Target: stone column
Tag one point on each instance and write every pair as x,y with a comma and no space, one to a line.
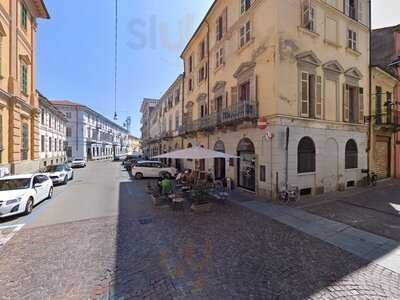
12,81
34,134
15,131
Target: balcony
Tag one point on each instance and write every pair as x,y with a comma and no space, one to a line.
167,135
229,116
388,121
238,113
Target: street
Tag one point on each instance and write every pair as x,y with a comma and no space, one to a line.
101,238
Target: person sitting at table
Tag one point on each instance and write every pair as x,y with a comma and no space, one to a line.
166,186
179,178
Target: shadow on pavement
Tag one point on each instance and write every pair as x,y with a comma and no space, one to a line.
230,252
374,209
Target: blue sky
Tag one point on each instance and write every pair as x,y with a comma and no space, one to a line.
76,49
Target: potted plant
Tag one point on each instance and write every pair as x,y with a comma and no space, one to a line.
201,199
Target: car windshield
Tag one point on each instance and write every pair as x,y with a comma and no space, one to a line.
58,168
14,184
78,159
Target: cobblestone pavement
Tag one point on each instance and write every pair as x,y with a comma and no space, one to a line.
155,253
375,209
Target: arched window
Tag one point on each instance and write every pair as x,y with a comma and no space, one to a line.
306,156
351,155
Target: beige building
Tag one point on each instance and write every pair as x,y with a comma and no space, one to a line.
170,112
134,145
19,107
52,131
383,123
147,108
303,67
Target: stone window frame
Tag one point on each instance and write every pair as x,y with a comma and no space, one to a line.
333,71
308,12
309,63
202,102
219,90
245,33
245,72
353,76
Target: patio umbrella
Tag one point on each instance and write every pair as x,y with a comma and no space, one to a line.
195,153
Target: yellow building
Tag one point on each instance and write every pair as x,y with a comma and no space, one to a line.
19,114
383,123
302,65
134,145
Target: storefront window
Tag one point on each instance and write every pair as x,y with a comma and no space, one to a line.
246,164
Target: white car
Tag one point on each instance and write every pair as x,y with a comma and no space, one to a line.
152,169
78,163
60,174
19,194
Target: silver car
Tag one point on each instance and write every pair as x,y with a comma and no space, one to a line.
78,163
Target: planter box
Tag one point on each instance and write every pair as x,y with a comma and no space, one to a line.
201,208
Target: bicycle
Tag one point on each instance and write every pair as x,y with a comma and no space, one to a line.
371,178
289,194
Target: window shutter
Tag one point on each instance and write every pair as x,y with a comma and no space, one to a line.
346,112
360,15
361,105
234,96
305,95
346,7
318,100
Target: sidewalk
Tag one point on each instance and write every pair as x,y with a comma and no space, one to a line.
382,251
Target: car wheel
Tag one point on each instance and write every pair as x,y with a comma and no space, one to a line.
50,193
138,176
29,206
65,180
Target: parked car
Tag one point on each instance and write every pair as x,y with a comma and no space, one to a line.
129,158
119,157
60,174
19,194
152,169
78,163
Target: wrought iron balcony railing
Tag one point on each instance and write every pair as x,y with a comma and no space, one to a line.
389,120
232,115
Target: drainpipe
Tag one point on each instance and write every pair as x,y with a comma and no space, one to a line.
183,100
287,158
208,78
370,87
77,130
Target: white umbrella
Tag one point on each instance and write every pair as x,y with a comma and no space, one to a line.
195,153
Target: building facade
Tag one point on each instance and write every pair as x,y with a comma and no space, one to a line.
19,105
384,123
90,135
134,145
52,132
147,108
386,58
304,70
170,114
